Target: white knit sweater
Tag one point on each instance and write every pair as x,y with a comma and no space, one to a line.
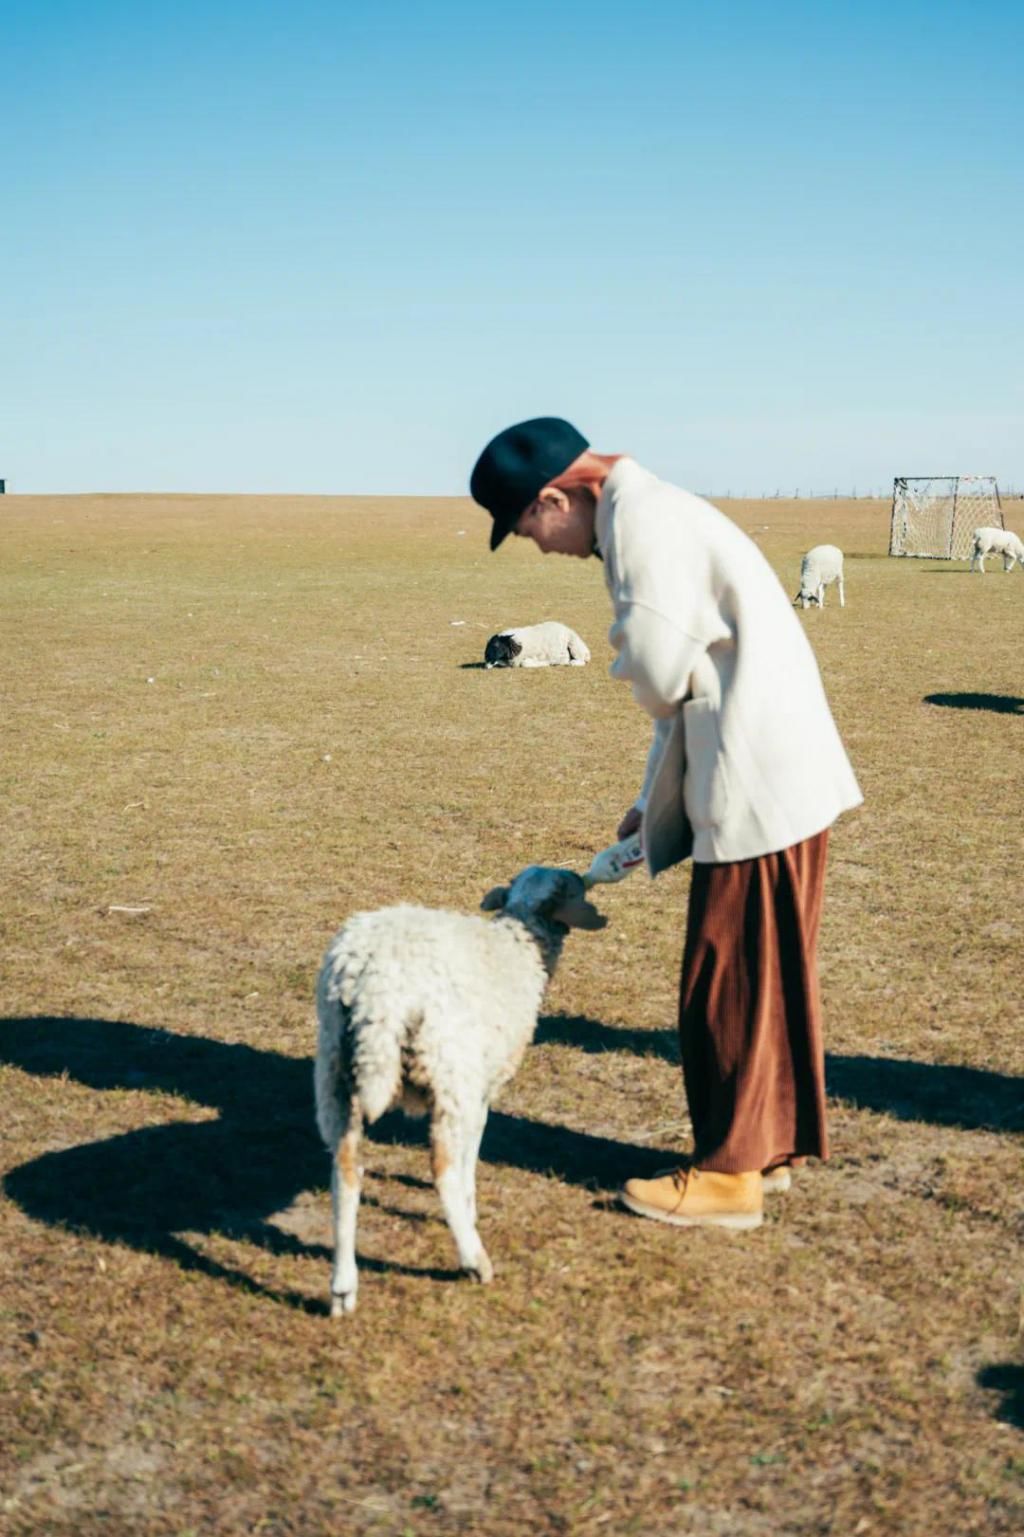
746,757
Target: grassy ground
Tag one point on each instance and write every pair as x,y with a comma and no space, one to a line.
230,722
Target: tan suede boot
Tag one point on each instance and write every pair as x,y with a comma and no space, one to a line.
697,1198
778,1180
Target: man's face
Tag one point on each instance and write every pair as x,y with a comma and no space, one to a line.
559,522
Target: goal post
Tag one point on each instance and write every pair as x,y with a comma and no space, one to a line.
935,515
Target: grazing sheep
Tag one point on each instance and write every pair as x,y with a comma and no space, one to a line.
537,645
996,541
819,568
433,1010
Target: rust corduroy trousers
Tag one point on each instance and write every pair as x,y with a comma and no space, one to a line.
750,1013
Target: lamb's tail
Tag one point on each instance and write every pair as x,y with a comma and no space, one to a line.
331,1080
359,1052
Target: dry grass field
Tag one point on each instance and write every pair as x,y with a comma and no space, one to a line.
228,723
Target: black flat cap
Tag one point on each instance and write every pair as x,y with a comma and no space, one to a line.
518,463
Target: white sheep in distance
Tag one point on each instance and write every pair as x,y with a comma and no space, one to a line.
996,541
819,568
537,645
433,1010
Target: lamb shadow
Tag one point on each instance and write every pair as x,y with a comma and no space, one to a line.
1002,704
230,1174
1006,1378
473,667
513,1141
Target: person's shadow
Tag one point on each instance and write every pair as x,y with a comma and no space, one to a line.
972,1098
230,1174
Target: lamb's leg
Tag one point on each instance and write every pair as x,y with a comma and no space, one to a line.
346,1180
470,1156
842,597
448,1144
821,594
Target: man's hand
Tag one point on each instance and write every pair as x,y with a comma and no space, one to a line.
631,823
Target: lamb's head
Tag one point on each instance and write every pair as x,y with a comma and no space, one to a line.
807,597
548,902
501,650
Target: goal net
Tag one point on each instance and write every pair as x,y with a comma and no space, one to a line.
935,515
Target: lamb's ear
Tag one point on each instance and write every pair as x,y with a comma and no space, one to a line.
495,899
578,913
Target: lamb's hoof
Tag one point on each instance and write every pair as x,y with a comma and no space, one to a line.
342,1303
482,1271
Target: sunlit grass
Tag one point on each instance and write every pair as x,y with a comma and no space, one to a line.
229,723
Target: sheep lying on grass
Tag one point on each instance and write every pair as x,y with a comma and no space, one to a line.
433,1010
819,568
996,541
537,645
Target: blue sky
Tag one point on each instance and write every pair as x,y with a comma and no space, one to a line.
334,247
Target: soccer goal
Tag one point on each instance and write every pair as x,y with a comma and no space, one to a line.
935,515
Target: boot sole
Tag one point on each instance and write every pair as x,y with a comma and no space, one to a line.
739,1221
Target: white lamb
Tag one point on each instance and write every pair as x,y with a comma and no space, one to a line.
996,541
537,645
433,1010
819,568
